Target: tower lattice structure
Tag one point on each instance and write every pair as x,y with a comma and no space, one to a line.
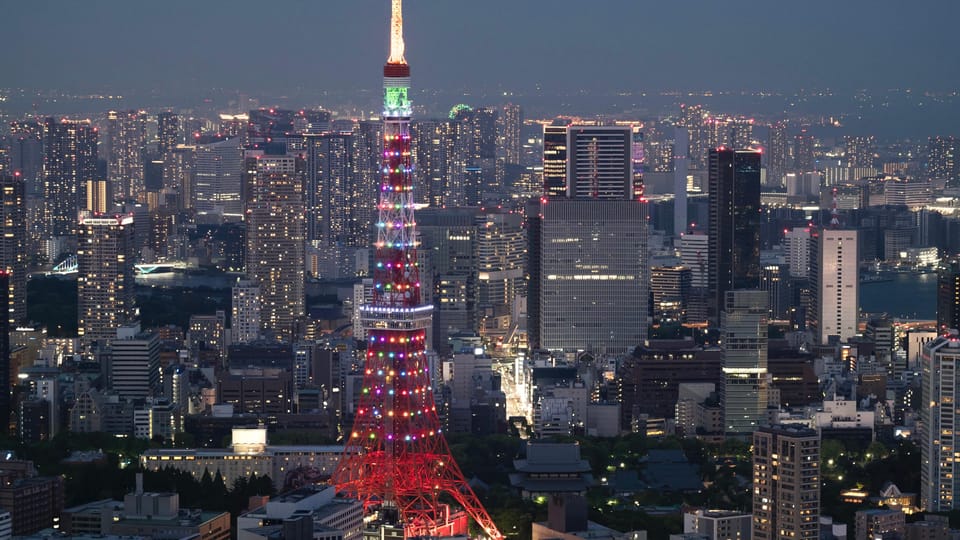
396,455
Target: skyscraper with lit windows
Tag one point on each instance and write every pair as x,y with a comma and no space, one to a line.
69,159
126,141
105,277
13,244
276,235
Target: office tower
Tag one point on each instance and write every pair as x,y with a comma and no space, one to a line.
555,159
126,140
796,247
948,295
835,284
593,275
105,277
777,154
694,254
245,312
332,195
5,328
449,236
670,290
942,160
786,483
599,162
405,463
734,233
69,159
217,178
804,158
509,124
681,165
773,280
13,247
134,368
276,234
743,327
940,389
168,132
501,260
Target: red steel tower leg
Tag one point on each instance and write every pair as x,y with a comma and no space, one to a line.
396,454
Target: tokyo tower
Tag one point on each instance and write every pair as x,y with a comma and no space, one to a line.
396,457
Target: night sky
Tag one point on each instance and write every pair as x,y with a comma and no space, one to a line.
455,45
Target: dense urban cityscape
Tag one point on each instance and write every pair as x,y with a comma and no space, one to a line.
415,313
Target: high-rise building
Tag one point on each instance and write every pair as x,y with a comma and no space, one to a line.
599,162
948,295
501,261
5,328
773,280
333,199
13,246
168,132
940,390
786,483
105,277
429,148
555,159
835,284
26,154
681,166
217,178
134,369
276,234
99,198
743,394
859,150
510,122
692,117
796,247
670,291
943,161
694,254
593,275
178,170
245,312
69,159
734,234
804,151
777,154
404,465
126,141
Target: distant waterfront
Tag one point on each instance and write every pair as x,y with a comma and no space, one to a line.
906,296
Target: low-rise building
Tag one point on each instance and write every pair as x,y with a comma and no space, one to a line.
249,454
316,508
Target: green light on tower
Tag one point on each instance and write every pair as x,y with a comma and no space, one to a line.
395,99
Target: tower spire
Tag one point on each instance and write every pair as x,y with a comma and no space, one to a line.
396,34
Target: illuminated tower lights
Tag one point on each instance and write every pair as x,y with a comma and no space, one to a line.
404,461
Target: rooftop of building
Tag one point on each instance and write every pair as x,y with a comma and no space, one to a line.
216,452
552,457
